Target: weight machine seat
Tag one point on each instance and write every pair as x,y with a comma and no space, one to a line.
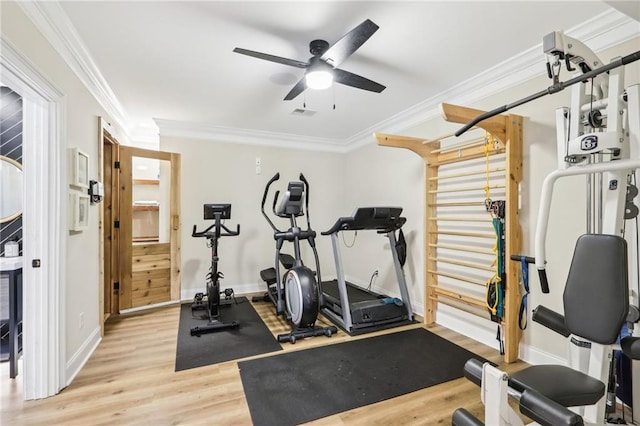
564,385
596,302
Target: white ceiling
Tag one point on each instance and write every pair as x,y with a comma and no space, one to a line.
174,60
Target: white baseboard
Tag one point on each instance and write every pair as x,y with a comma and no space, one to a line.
535,356
484,331
146,307
80,358
481,330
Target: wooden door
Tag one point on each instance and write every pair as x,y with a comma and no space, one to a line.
149,227
110,212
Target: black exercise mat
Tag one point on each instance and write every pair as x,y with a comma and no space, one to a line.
251,338
301,386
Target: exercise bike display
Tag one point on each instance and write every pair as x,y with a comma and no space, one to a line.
297,295
210,301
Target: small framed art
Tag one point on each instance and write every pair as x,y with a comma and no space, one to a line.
78,211
79,168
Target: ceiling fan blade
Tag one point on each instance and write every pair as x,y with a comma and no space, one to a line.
350,79
349,43
272,58
297,89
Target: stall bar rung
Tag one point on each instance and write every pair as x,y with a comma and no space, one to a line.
463,248
471,173
461,145
466,188
470,309
466,234
459,204
460,297
458,277
486,218
460,263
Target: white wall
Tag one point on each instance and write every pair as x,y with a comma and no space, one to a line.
383,176
80,291
218,172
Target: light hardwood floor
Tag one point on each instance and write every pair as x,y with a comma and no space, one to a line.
130,380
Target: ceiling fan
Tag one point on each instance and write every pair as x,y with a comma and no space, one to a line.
322,68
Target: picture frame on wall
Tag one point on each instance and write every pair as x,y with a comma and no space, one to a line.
79,168
78,211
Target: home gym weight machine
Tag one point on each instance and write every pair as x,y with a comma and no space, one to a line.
210,301
298,295
599,137
355,309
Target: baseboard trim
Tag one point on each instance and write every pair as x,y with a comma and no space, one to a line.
534,356
80,358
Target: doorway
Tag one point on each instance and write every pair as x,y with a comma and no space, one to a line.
109,215
140,227
44,222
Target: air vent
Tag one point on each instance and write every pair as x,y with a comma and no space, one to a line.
303,112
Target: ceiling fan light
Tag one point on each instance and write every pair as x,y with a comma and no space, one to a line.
319,80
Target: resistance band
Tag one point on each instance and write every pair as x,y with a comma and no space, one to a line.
495,284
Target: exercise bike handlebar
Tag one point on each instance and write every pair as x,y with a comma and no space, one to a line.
208,234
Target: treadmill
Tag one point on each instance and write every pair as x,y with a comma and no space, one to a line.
352,308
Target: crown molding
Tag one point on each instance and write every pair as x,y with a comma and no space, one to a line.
606,30
52,21
181,129
601,32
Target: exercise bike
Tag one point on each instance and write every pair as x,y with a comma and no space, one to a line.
210,301
297,295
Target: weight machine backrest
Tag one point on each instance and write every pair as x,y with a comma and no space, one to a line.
596,295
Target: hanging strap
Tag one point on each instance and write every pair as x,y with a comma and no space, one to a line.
488,140
522,315
401,248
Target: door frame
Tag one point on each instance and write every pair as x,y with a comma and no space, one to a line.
44,222
106,136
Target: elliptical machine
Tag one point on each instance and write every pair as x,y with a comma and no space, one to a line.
211,300
298,295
